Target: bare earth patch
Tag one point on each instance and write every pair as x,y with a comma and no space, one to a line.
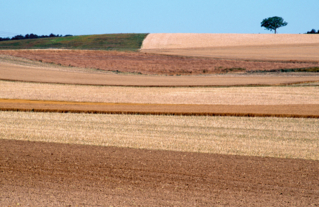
50,174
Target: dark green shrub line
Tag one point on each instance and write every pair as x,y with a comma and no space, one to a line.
226,70
30,36
311,69
313,31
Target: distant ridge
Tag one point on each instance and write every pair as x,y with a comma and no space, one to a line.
130,42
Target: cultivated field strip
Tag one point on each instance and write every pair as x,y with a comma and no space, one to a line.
156,64
55,174
207,95
292,111
274,53
92,77
193,40
272,137
279,47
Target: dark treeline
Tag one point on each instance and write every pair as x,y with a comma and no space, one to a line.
30,36
313,31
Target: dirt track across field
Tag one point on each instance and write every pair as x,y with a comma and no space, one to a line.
48,174
295,110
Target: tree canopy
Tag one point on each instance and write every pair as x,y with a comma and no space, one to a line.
273,23
30,36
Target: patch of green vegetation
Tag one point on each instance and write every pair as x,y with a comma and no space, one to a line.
310,69
227,70
124,42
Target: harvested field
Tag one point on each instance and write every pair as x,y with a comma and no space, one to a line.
145,63
279,47
196,40
285,53
70,75
157,95
270,137
289,101
49,174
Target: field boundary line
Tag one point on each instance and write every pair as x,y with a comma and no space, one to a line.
164,85
159,113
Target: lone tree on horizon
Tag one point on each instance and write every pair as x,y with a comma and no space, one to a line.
273,23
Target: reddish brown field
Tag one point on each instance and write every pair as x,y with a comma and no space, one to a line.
48,174
292,110
144,63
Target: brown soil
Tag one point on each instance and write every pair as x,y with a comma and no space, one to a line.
144,63
298,110
49,174
54,75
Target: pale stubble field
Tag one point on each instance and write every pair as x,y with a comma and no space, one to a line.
279,47
302,94
265,137
270,137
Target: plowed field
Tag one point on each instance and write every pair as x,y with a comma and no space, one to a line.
47,174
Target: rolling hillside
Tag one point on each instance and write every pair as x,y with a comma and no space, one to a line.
130,42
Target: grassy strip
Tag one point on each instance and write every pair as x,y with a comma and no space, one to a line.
272,137
131,42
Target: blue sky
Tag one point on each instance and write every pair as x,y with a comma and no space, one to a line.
80,17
